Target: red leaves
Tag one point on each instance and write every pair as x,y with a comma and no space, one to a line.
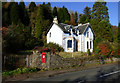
104,49
4,29
111,53
42,49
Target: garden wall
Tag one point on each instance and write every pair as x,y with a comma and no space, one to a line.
56,61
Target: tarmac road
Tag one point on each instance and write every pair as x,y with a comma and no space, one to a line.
107,73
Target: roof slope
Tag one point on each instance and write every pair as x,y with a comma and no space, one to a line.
65,27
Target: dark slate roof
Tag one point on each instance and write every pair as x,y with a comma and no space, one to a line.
62,26
82,28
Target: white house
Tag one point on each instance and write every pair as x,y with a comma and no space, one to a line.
71,38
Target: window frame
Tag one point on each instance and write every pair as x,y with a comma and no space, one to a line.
69,44
87,34
50,34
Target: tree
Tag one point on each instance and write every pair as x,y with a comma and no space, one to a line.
87,12
14,13
23,14
118,33
63,15
54,11
100,21
6,14
39,22
32,22
66,14
76,16
32,6
82,19
60,15
105,31
79,18
100,11
72,19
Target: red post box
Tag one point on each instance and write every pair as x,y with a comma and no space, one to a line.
43,57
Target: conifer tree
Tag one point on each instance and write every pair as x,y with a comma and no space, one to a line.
63,15
87,13
14,13
100,21
100,11
39,22
72,19
118,33
32,6
54,11
76,16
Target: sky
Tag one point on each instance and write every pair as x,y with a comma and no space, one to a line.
79,7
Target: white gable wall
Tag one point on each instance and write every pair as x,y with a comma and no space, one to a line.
56,35
90,38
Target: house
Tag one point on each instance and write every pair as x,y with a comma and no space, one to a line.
71,38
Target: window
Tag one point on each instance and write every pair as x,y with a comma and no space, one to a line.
87,45
50,34
69,43
87,34
90,44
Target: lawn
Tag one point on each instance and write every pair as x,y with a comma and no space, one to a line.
69,54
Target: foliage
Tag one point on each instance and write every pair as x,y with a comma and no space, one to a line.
105,30
72,19
100,11
32,6
20,71
54,46
43,20
14,13
23,14
104,50
118,34
88,52
76,16
54,11
100,21
87,13
63,15
26,28
82,18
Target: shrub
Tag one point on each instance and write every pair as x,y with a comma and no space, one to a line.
54,46
88,52
104,50
19,71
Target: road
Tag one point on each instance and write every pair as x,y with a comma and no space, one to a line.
104,73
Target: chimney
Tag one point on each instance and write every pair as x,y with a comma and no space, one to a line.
80,24
55,20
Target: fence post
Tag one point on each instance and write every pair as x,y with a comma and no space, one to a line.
27,61
4,60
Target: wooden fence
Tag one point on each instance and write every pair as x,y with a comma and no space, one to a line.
13,62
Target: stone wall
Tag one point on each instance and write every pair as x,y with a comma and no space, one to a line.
56,61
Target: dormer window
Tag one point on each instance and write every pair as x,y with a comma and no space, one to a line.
87,34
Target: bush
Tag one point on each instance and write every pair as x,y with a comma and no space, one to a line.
54,46
88,52
19,71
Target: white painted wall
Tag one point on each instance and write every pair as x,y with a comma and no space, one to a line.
59,37
90,38
56,35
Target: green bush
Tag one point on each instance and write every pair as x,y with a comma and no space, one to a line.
88,52
54,46
19,71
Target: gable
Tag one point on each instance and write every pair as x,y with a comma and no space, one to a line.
91,33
